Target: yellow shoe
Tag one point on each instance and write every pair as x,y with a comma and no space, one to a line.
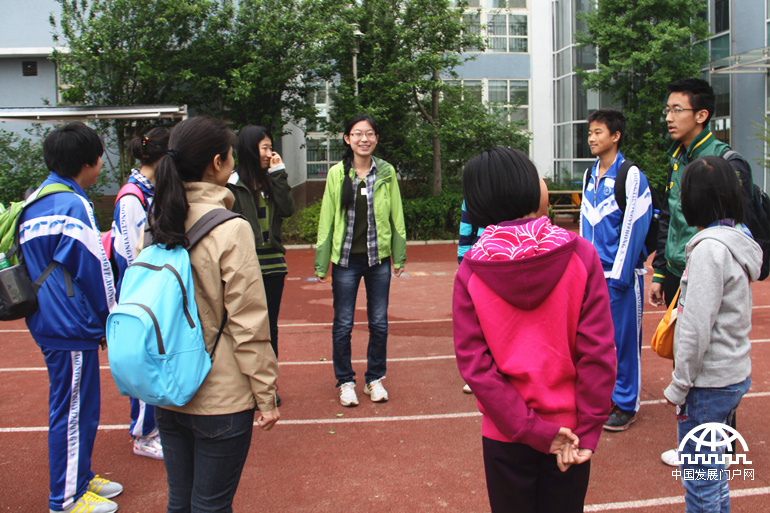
90,503
104,488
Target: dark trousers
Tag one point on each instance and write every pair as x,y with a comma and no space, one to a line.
670,286
204,457
273,294
521,479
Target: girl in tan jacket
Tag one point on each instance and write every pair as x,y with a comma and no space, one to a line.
206,441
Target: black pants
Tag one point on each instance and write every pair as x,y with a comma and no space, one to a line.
523,480
670,286
273,294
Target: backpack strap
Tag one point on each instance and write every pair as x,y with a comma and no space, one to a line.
130,188
201,228
620,184
206,223
16,247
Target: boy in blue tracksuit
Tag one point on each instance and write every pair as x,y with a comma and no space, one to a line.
618,237
74,302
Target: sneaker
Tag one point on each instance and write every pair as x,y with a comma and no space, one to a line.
670,457
348,395
619,420
90,503
467,389
376,391
104,488
149,446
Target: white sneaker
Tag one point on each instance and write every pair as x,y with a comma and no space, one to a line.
670,457
149,446
467,389
376,391
90,503
348,395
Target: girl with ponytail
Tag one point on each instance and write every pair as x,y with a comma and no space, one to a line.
127,238
360,229
206,441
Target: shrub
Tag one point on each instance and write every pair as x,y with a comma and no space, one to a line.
436,217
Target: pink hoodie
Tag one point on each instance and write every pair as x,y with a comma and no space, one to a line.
533,333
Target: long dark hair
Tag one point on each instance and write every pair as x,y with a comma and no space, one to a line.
250,169
193,144
710,192
149,148
348,194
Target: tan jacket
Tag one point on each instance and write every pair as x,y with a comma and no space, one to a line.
226,274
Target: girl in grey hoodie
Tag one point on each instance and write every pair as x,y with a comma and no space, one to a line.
711,341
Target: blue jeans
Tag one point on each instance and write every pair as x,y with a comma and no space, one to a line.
204,457
345,281
701,406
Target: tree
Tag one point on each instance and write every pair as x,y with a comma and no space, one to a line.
21,163
277,50
123,52
642,47
409,47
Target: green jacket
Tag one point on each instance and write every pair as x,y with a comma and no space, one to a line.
279,206
388,216
674,233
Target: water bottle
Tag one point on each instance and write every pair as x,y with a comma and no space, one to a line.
3,261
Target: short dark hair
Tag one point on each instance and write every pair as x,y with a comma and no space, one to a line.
613,119
500,184
67,149
699,92
710,192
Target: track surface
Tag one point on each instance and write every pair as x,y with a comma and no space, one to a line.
419,452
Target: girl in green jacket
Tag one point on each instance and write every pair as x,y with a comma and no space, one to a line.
360,229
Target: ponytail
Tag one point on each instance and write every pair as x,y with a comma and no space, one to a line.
193,144
347,195
149,148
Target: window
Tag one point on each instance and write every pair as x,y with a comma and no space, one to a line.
29,68
322,154
721,16
507,32
472,24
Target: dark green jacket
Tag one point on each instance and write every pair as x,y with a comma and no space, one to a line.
674,233
279,206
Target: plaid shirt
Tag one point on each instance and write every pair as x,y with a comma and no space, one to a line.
371,232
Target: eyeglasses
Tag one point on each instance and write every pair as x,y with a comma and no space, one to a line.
675,110
360,135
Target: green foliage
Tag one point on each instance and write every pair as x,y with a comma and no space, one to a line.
430,218
21,164
302,227
642,47
434,217
123,52
409,47
276,50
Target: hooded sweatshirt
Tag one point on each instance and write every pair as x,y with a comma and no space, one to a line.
533,333
711,338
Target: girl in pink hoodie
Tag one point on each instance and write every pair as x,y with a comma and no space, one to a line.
533,338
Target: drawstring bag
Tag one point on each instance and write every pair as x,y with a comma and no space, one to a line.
663,338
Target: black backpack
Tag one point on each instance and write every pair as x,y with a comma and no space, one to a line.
651,240
758,213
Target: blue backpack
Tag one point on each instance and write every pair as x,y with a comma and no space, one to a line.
156,349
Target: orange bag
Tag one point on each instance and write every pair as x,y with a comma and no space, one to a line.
663,338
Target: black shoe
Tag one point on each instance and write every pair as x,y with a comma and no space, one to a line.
277,401
619,420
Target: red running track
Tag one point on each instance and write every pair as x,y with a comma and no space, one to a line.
419,452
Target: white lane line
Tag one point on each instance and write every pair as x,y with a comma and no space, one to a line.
289,422
662,501
329,362
350,420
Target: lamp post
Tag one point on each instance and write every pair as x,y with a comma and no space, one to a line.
357,34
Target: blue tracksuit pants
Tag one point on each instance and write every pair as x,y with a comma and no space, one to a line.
626,308
142,418
74,402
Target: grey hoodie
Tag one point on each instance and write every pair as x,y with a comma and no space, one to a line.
711,341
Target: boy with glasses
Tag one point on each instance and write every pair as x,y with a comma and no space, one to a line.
690,105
